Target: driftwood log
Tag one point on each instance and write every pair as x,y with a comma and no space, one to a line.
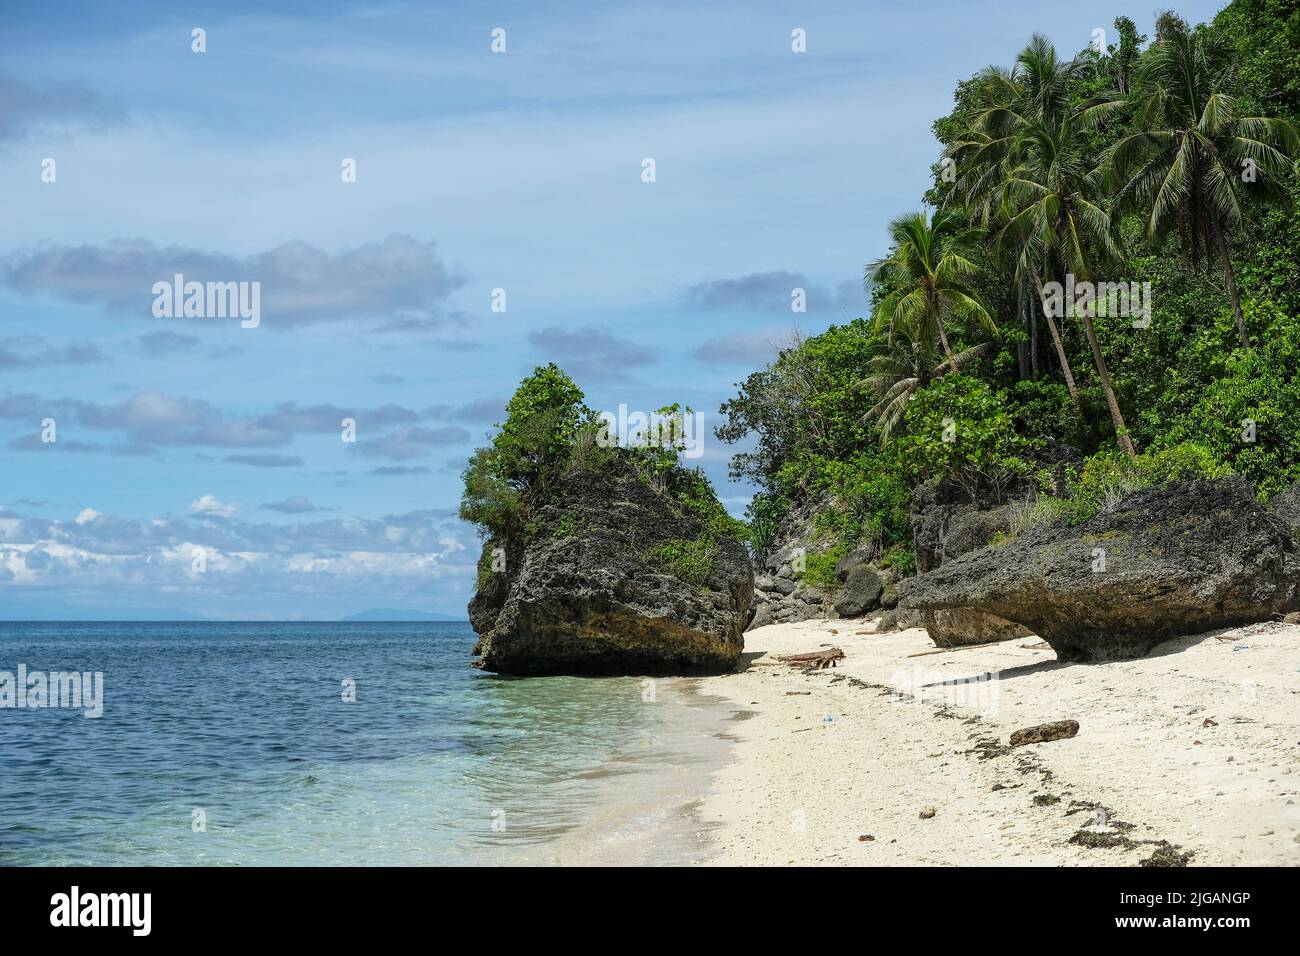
815,659
1059,730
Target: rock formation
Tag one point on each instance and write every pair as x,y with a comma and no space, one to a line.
1166,561
613,576
781,595
947,523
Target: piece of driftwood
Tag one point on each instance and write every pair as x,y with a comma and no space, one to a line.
819,660
1058,730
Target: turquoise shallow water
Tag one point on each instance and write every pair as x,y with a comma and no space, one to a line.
434,763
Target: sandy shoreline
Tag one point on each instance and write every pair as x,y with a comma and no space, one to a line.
1197,744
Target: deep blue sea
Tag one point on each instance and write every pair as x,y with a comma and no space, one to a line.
232,744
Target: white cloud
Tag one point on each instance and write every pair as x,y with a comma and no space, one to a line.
209,505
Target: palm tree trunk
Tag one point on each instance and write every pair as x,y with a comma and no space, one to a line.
1065,362
1116,416
1231,277
1022,348
1033,330
1060,349
943,338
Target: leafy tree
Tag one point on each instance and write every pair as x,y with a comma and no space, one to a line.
958,428
1053,215
1265,35
804,407
899,370
1126,54
1193,158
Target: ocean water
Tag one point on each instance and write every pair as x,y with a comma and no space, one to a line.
243,727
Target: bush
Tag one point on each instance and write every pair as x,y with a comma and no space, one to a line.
902,558
534,443
764,516
690,561
819,568
958,428
1254,388
868,502
1109,476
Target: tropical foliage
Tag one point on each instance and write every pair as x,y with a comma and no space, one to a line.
1167,165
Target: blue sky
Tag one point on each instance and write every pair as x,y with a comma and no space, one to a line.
476,171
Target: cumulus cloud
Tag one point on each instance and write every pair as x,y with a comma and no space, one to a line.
405,443
148,420
399,277
480,411
590,353
397,555
758,291
27,109
296,505
392,470
209,505
744,348
264,460
773,292
165,342
35,353
290,417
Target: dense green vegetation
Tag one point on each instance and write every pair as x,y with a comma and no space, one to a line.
549,434
1169,161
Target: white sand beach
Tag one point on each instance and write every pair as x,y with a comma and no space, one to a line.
1197,744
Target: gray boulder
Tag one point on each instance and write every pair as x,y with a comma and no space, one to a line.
959,627
947,522
860,591
1286,505
1182,559
590,591
899,619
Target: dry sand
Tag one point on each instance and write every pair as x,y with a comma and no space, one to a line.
1197,744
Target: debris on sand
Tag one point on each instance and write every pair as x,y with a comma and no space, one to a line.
819,660
1166,855
1058,730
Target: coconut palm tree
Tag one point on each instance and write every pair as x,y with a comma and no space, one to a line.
926,273
900,370
1194,159
1054,224
1010,104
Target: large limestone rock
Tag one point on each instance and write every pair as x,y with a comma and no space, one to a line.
590,590
860,587
1286,505
959,627
1182,559
947,523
